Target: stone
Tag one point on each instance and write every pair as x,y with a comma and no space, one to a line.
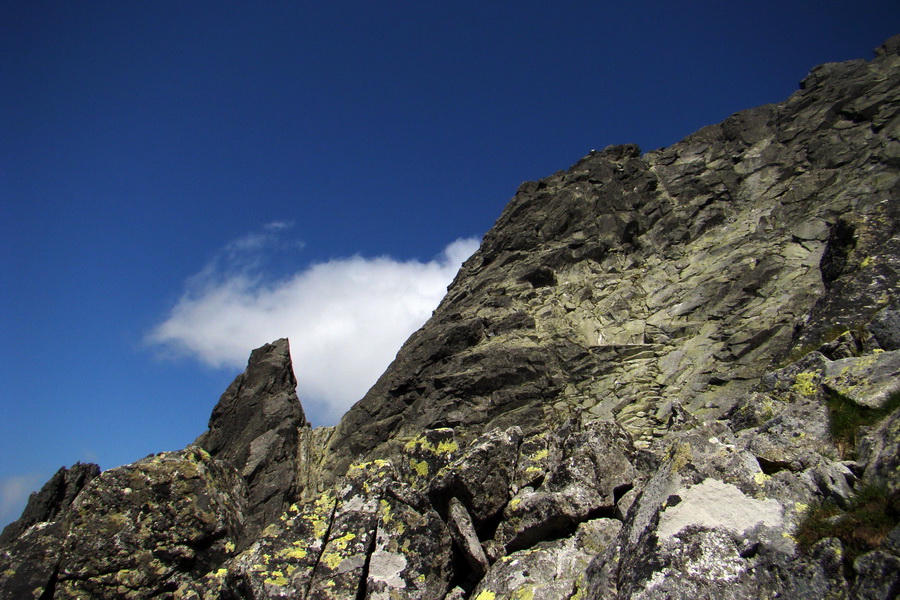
481,479
553,570
412,556
463,533
880,452
29,563
426,455
136,531
364,536
885,326
55,497
712,503
583,480
255,427
877,576
868,381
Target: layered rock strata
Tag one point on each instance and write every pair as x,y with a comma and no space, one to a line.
669,375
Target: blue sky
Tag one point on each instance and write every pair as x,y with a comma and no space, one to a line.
183,181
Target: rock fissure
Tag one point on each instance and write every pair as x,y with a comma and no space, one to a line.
318,557
50,587
361,592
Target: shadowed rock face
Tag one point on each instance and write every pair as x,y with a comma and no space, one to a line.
138,531
637,388
254,428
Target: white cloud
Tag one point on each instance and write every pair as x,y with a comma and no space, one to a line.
14,492
346,318
278,225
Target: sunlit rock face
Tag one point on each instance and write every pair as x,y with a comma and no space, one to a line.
663,375
629,282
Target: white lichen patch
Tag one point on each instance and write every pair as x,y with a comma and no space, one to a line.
709,556
715,504
386,567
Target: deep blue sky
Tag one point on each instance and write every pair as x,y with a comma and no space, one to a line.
142,143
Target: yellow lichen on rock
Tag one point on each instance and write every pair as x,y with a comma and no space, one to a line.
446,447
277,579
805,384
421,467
525,592
332,559
293,552
342,541
681,455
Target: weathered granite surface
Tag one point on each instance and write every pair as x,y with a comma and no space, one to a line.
53,498
632,281
663,375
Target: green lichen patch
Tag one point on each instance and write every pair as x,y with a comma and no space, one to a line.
806,384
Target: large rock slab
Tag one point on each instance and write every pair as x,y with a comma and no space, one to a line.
869,380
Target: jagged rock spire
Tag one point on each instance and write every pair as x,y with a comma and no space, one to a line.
255,426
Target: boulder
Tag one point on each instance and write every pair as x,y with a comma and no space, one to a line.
138,531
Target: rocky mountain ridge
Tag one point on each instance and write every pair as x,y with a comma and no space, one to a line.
663,375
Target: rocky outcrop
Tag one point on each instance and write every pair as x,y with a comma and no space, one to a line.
255,427
629,281
55,497
137,531
663,375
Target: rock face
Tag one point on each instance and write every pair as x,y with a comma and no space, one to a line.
137,531
669,375
632,281
55,497
255,428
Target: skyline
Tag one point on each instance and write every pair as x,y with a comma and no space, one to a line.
182,184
